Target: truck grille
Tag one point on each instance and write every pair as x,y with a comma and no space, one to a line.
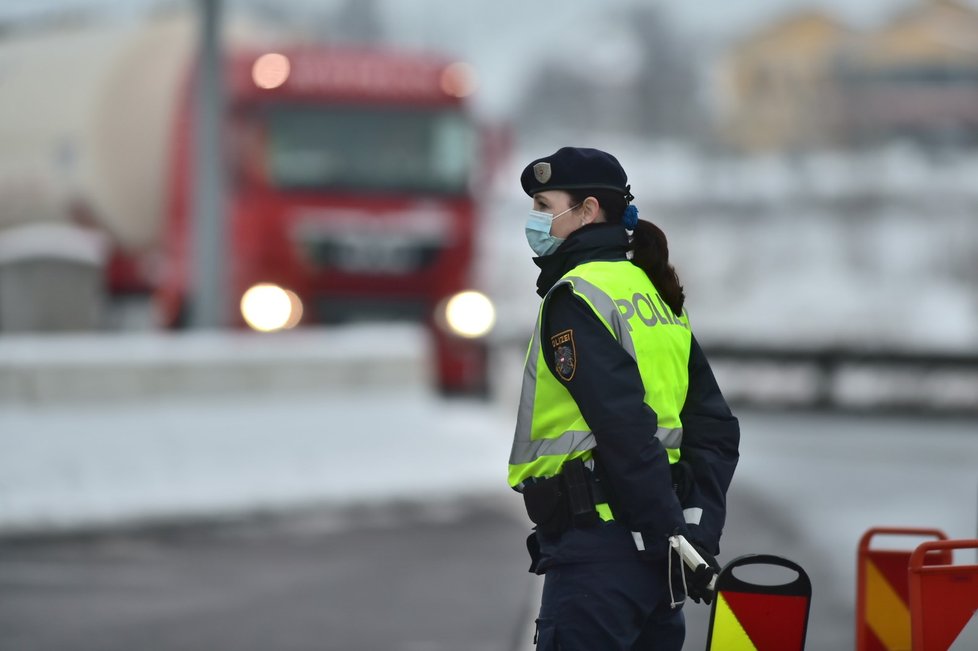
374,256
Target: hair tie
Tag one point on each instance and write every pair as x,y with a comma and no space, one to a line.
630,218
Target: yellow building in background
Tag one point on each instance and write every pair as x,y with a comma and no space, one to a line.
810,82
779,87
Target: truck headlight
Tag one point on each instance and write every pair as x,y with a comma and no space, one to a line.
267,308
468,314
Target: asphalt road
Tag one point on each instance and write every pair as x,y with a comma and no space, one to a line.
405,578
397,577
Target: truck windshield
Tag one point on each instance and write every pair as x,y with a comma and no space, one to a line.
369,149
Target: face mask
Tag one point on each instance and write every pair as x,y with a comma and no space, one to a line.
538,231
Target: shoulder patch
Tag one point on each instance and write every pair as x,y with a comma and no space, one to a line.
565,354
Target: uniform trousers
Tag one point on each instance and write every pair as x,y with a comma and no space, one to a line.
609,606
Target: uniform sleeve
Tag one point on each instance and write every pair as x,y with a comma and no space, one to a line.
605,383
711,440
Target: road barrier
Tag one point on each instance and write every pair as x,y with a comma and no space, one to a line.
759,616
847,379
943,597
883,592
120,367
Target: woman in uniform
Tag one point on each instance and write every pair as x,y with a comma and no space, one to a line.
623,441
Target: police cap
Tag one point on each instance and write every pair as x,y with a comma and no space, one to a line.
575,168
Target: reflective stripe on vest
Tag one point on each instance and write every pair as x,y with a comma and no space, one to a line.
550,428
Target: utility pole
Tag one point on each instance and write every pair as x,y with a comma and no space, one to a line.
209,297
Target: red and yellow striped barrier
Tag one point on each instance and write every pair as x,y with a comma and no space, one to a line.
752,617
943,597
883,589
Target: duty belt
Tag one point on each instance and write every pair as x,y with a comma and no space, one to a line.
566,500
570,498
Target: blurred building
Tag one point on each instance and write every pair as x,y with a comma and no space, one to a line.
809,81
779,85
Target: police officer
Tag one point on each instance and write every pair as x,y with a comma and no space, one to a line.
623,440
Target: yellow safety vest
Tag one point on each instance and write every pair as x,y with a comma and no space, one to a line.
549,426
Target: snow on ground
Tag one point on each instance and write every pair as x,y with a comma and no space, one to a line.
68,465
80,465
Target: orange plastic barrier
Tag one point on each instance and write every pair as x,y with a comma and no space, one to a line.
943,598
751,617
883,589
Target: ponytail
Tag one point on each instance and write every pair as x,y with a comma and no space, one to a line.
650,252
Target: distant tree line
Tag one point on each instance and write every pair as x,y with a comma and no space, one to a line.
661,100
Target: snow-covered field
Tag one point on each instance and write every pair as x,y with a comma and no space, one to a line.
69,466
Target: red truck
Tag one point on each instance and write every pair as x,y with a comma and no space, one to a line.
352,181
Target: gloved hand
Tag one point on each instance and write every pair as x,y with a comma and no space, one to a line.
698,579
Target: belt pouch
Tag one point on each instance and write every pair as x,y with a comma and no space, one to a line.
583,513
546,505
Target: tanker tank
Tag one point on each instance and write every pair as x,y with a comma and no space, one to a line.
86,116
89,115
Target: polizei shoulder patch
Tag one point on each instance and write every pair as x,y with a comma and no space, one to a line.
565,355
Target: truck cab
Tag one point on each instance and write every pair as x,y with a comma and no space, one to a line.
351,195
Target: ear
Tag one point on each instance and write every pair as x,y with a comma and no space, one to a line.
590,211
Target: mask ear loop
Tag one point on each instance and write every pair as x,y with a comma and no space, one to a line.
564,212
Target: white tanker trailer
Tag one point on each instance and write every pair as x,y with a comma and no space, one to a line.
86,117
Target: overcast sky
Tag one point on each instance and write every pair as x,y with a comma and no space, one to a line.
715,16
503,38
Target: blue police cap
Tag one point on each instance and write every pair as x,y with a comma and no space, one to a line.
575,168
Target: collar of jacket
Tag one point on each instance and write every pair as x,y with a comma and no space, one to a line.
592,242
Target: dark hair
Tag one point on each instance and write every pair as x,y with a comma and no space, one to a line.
650,249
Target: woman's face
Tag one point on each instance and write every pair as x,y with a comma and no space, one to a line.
556,202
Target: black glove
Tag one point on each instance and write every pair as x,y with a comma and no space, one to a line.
698,579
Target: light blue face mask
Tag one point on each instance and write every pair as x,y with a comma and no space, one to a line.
538,231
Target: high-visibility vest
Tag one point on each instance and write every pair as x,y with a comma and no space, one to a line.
549,426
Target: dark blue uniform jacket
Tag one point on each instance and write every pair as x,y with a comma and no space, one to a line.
609,392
